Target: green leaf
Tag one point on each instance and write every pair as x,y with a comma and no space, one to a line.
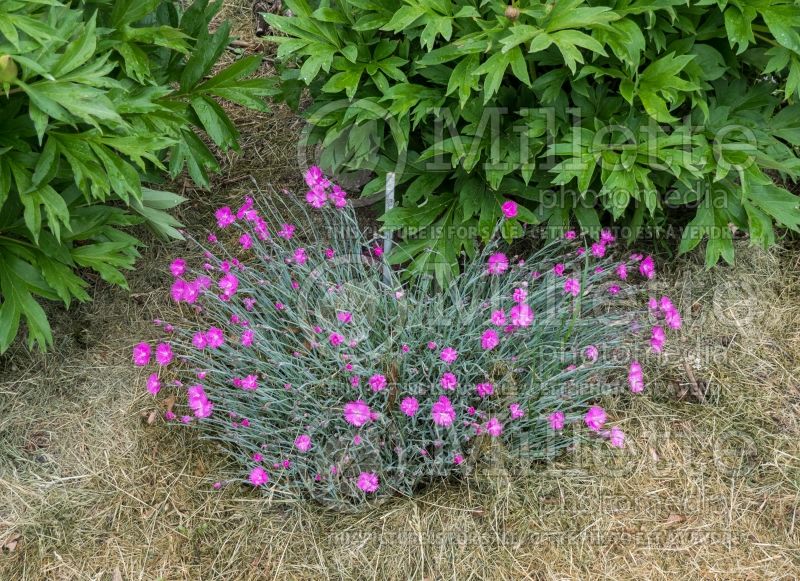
216,123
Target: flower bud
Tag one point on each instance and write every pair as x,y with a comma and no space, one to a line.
512,12
8,69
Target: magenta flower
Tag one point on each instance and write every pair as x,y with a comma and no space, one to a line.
431,345
657,339
141,354
484,389
598,250
442,412
516,411
449,381
198,401
636,377
215,337
258,476
368,482
335,339
377,382
409,406
622,270
647,268
330,253
489,339
498,263
286,231
591,353
556,420
316,197
570,234
613,289
617,437
494,428
357,413
673,319
509,209
520,295
521,315
224,217
606,237
228,284
498,317
303,442
595,418
249,383
153,384
164,354
572,286
377,250
344,316
458,459
247,338
177,267
558,269
245,241
199,340
448,355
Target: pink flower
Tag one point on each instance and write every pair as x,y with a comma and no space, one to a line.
570,234
606,237
377,382
636,377
215,337
442,412
177,267
409,406
484,389
405,348
598,250
303,442
164,354
368,482
247,338
558,269
330,253
494,428
245,241
622,270
458,459
657,339
489,339
591,353
595,418
141,354
521,315
300,256
357,413
258,476
449,381
228,284
212,238
250,383
335,339
509,209
286,231
556,420
198,401
572,286
647,268
344,316
516,411
520,295
448,355
338,196
224,217
199,340
314,177
498,263
673,319
613,289
377,250
617,437
498,317
153,384
316,197
356,440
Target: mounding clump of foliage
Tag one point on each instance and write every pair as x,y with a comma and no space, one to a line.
96,97
644,113
305,357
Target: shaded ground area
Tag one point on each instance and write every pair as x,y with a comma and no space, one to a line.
709,485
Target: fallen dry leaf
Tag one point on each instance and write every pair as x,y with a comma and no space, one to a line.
117,576
11,543
674,519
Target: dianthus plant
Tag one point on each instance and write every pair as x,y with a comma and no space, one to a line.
302,354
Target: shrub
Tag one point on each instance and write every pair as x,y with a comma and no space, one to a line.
320,374
98,97
642,113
